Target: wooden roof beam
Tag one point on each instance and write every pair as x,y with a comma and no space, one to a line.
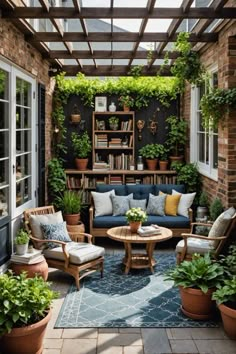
44,4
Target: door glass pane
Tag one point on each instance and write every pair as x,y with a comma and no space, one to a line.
23,93
4,201
4,144
201,146
23,163
215,151
4,88
4,114
23,191
23,117
4,173
22,141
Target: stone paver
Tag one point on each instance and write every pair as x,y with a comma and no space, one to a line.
183,346
119,339
130,330
79,346
179,333
80,333
207,333
155,341
216,346
52,343
110,350
51,351
133,350
108,330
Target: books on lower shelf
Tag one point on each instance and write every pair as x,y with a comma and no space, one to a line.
149,230
28,258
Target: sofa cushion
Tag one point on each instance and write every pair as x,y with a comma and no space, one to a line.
119,190
141,191
106,222
79,252
156,204
120,204
185,202
167,188
138,203
102,202
171,203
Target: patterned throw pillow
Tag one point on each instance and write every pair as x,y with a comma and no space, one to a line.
120,204
156,205
55,232
185,202
138,203
171,203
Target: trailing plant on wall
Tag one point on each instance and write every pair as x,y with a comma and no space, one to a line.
215,104
56,179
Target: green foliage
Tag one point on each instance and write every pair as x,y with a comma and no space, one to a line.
189,176
203,200
81,145
56,178
163,152
201,273
70,202
177,134
216,208
136,214
113,120
229,261
226,293
3,76
58,121
215,105
126,100
22,237
151,151
188,65
23,301
136,71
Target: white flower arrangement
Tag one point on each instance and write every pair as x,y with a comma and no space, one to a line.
136,214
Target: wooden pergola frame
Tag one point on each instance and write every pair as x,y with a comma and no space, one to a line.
19,15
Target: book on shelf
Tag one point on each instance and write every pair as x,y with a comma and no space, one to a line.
149,230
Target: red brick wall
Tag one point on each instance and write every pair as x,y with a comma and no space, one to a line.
222,54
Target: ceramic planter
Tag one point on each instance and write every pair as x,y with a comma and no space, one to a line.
228,316
22,249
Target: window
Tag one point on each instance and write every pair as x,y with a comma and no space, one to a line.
203,144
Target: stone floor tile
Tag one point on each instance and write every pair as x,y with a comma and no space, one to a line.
183,346
207,333
109,350
119,339
52,343
79,346
52,351
216,346
130,330
155,341
178,333
80,333
133,350
53,333
108,330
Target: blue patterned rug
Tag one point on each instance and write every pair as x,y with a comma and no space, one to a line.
139,299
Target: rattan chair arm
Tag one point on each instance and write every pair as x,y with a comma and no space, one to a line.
76,236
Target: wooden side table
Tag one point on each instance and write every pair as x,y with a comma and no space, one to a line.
40,268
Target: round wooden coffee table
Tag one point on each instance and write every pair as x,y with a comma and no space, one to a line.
138,260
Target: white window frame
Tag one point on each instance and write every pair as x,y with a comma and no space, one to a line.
205,169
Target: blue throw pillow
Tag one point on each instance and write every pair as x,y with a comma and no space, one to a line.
120,204
138,203
55,232
156,205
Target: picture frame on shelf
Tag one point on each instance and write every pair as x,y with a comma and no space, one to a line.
101,125
100,104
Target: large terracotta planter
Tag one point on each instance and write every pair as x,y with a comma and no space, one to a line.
228,316
81,164
26,340
72,219
196,304
163,165
40,268
152,164
134,225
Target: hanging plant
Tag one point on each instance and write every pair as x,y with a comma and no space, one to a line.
215,105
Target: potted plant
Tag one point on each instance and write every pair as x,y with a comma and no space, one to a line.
113,122
216,208
82,147
135,217
25,310
151,152
163,157
70,203
21,241
177,137
197,280
126,102
202,209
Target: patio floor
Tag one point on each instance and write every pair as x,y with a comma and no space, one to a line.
129,340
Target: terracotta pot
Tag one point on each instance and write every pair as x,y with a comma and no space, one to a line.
40,268
75,118
81,164
179,159
163,165
126,108
228,316
134,225
152,164
72,219
26,340
78,228
196,304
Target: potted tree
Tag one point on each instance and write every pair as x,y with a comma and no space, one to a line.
202,209
113,122
70,203
21,241
82,147
25,310
163,157
197,280
216,208
177,137
151,152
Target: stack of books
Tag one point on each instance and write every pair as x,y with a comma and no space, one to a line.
149,230
28,258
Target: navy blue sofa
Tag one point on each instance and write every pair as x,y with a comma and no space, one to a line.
100,224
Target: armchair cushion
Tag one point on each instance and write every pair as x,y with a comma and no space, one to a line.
221,224
55,232
79,252
196,246
36,221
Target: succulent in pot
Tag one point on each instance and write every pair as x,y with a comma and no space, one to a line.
82,147
21,241
197,279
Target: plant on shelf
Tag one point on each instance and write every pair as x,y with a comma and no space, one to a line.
56,178
113,122
188,175
70,203
126,101
197,280
135,217
82,147
21,241
163,157
216,208
215,104
25,310
177,136
151,152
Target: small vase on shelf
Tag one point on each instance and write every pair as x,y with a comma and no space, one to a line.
134,225
112,107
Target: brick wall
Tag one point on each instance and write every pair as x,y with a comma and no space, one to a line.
14,48
222,54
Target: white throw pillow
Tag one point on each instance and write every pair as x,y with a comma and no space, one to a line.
185,203
221,224
102,202
36,221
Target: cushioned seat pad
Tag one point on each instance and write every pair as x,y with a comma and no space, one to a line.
196,246
79,252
